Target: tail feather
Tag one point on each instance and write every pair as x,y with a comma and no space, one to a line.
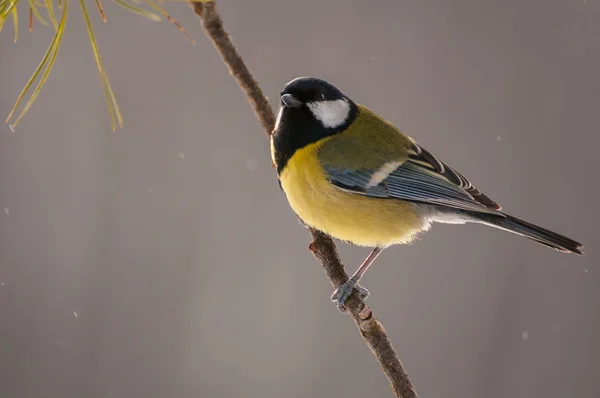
531,231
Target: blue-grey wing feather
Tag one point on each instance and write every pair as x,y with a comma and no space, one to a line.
409,181
424,158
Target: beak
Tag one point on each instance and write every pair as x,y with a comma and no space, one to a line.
289,101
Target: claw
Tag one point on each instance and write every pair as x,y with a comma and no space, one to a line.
342,293
362,292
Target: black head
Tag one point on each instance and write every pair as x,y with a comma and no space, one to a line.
311,109
303,90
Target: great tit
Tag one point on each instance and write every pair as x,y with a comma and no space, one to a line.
352,174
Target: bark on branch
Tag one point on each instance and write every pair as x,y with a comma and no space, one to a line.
322,245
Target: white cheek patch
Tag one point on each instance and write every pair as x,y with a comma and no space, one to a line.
331,113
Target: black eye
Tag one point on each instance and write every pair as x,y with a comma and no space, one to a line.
320,97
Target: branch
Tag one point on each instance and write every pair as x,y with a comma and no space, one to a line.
322,245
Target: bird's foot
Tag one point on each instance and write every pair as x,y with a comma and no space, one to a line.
342,293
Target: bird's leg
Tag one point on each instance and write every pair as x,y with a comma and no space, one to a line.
343,292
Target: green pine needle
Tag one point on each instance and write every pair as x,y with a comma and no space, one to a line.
8,8
36,13
47,61
15,18
111,101
139,11
50,10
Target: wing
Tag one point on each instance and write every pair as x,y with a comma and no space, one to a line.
425,159
409,172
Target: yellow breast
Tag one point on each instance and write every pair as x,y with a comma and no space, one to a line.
355,218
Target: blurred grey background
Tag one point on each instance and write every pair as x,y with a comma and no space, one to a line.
162,260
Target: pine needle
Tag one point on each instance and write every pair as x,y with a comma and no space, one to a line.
6,9
191,1
101,10
171,19
33,5
111,101
48,60
50,9
137,10
15,18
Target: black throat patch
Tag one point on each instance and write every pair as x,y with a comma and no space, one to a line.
298,128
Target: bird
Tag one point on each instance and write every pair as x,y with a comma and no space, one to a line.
352,174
